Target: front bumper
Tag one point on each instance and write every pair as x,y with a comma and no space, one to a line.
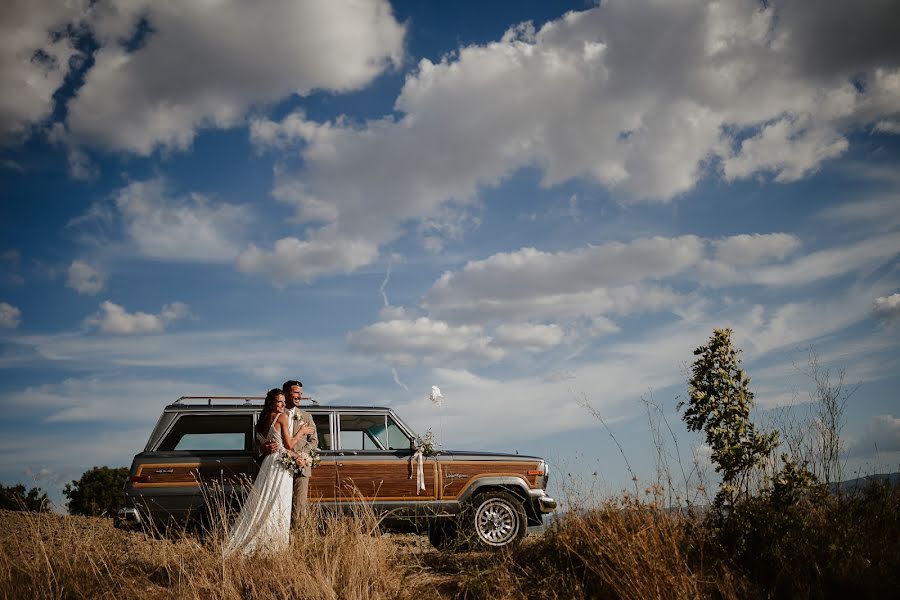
547,504
127,518
542,502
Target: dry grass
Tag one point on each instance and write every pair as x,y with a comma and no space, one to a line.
50,556
621,548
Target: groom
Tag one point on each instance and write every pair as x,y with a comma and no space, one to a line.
298,418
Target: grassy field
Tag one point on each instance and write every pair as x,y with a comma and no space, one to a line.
627,547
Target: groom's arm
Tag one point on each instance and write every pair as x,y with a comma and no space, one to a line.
312,439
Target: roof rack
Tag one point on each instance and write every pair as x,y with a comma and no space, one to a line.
246,399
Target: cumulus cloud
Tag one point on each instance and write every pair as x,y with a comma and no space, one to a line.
409,342
882,435
527,336
745,250
546,278
887,308
292,259
726,86
204,64
10,316
534,300
85,279
114,319
34,60
161,225
626,278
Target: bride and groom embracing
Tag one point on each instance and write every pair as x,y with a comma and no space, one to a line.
285,435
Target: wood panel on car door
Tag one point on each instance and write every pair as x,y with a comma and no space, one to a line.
387,476
323,483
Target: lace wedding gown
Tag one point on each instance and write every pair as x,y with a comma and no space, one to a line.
264,524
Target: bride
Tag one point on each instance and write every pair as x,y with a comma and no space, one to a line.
264,521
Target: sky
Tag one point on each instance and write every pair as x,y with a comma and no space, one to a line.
541,208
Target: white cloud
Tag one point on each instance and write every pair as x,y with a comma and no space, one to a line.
816,266
725,86
10,316
157,224
888,127
100,399
542,283
191,228
626,278
292,259
581,291
409,342
34,60
85,279
80,165
887,308
114,319
527,336
791,148
205,64
876,213
882,435
746,250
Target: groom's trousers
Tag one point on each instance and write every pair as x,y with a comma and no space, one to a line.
300,508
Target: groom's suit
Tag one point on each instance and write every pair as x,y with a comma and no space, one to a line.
301,481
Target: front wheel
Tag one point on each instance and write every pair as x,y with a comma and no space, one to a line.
495,519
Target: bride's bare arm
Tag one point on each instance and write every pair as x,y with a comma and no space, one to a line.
283,426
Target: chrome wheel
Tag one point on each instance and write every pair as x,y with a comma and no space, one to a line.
498,520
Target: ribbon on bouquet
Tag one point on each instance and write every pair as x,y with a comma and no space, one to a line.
420,471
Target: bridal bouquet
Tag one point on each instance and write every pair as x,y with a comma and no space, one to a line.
289,462
425,443
311,457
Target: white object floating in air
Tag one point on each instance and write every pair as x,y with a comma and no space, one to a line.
436,396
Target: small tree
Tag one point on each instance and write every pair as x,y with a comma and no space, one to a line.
100,491
15,498
720,403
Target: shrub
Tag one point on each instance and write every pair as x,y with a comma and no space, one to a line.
15,498
99,492
820,546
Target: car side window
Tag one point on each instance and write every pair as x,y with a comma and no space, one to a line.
209,432
323,430
363,432
397,438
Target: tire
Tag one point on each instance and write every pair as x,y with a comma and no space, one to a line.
495,519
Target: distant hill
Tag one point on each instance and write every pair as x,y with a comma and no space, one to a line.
855,485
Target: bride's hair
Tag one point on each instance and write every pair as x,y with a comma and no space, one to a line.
268,407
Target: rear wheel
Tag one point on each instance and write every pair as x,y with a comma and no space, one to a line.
495,519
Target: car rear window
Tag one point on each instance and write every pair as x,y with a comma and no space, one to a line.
209,432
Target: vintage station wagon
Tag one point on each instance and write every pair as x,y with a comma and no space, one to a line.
367,455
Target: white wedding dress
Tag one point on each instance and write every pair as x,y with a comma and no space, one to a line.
264,524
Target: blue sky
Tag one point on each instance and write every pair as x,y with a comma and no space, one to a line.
524,205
